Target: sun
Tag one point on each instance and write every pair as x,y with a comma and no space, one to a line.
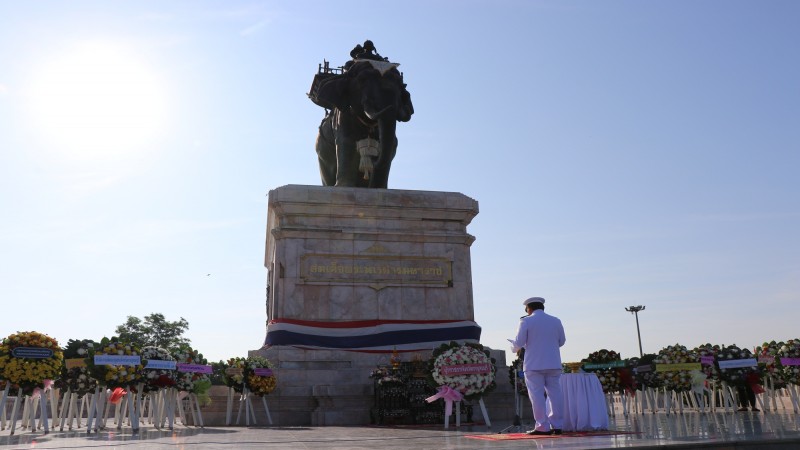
97,100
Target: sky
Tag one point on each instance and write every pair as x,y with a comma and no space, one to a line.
622,153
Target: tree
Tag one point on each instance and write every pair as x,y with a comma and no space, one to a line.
155,330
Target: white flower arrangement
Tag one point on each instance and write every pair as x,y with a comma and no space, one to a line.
448,361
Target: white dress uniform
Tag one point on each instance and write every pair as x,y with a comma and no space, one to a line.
542,335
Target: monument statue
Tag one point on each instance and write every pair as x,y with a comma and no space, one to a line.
363,100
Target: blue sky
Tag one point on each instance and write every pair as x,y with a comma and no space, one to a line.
622,153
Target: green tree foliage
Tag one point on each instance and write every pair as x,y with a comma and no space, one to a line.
154,330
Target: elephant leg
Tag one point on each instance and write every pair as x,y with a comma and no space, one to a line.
326,154
347,159
380,176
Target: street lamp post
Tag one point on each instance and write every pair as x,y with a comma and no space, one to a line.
635,311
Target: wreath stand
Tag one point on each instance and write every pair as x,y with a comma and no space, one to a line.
245,400
3,406
193,404
29,408
516,426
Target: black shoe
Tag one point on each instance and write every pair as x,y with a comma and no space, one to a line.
538,433
556,431
755,410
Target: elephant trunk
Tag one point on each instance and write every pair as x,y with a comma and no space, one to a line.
387,125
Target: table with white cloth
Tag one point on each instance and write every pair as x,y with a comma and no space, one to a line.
584,402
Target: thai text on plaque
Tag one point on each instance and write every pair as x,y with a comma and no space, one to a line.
371,269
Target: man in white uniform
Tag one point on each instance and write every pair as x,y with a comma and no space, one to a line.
542,335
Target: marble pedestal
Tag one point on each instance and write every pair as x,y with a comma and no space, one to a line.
338,255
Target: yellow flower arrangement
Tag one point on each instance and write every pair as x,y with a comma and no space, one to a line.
112,375
233,375
256,382
37,358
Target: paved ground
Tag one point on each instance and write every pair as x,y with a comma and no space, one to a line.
746,430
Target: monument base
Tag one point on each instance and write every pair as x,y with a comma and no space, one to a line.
353,275
324,388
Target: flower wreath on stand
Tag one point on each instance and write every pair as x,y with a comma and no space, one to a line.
645,375
196,383
116,375
233,375
30,361
156,377
460,372
613,379
788,359
75,374
708,361
677,380
771,364
515,368
258,376
738,376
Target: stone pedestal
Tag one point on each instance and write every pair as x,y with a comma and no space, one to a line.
344,260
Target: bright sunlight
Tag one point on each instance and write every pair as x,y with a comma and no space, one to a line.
96,101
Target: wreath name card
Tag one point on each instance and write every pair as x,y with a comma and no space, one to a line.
738,363
160,364
32,352
677,366
72,363
605,365
118,360
262,372
195,368
790,361
466,369
707,360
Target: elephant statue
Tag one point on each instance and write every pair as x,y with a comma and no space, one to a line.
357,141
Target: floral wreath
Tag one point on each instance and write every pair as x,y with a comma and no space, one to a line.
612,379
710,370
677,380
233,373
646,378
30,373
111,375
738,376
194,382
515,367
453,354
791,349
76,378
257,383
773,369
155,379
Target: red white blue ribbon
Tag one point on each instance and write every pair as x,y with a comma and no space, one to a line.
373,336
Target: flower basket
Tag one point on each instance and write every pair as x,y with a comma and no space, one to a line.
468,369
30,359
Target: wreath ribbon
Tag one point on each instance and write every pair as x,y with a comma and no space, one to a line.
449,395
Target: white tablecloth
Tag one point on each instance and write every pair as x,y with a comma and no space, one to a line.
584,402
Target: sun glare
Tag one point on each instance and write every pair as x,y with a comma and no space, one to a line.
97,101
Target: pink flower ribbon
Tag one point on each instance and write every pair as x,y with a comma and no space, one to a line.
449,395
